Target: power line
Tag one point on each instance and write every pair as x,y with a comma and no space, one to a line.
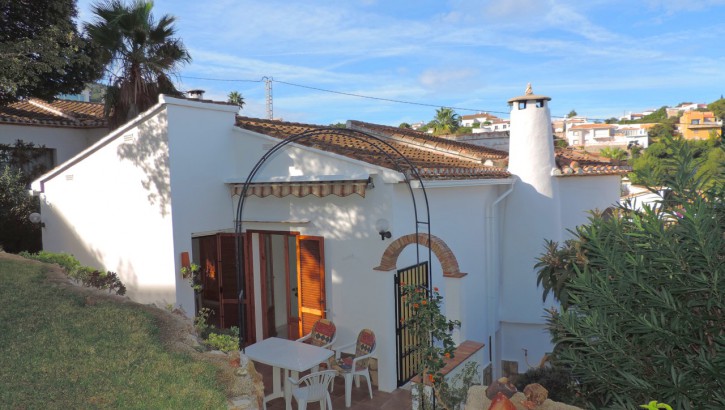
264,79
387,99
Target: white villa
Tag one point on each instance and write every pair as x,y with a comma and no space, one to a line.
602,135
63,127
167,185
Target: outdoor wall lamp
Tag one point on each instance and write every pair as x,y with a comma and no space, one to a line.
383,226
36,219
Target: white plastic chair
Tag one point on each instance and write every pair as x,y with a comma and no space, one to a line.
358,365
323,334
313,387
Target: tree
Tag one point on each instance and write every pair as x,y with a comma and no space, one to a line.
655,165
139,54
613,153
446,121
660,131
572,114
644,302
718,108
404,125
235,97
611,120
41,52
17,233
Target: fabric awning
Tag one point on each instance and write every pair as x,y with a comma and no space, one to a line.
301,189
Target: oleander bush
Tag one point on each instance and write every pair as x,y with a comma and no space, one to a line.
646,297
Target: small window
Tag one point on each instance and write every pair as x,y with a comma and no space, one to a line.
539,103
695,122
522,105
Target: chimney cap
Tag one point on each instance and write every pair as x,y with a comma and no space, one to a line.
529,96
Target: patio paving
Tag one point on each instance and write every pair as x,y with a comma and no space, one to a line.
400,399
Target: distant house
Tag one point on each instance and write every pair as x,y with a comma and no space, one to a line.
629,134
684,107
699,125
63,127
470,120
485,123
330,220
590,134
608,135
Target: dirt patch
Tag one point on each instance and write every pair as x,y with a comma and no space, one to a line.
176,331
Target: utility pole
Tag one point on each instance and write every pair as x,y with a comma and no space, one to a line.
268,89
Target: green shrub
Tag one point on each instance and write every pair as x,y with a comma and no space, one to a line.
454,392
86,275
104,280
646,303
222,342
66,261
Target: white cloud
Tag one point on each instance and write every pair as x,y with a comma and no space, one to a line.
447,79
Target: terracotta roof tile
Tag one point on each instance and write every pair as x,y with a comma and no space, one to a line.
434,158
589,126
59,113
573,163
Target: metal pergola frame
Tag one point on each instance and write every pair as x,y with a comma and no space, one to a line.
376,142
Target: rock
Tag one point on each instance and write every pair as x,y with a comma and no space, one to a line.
477,400
536,393
501,402
501,385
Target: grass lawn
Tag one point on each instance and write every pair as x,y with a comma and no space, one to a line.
56,352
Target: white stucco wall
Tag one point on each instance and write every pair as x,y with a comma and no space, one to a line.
67,142
581,194
102,207
201,153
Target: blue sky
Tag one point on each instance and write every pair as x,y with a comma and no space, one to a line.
601,58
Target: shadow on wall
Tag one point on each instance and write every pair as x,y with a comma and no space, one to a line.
91,256
149,152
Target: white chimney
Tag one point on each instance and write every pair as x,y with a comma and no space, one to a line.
531,151
196,94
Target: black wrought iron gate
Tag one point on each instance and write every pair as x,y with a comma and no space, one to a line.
408,356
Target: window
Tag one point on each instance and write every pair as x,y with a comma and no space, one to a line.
695,122
522,105
31,161
539,103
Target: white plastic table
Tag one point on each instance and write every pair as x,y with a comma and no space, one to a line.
288,355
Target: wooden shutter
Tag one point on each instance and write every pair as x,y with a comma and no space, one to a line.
210,278
227,268
310,281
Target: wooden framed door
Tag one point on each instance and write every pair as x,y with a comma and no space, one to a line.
217,260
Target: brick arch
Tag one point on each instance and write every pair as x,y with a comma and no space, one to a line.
445,255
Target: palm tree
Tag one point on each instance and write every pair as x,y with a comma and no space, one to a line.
613,153
446,121
235,97
140,55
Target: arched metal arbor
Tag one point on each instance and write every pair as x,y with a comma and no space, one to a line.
379,144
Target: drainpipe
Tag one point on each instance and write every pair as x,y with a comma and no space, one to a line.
493,277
